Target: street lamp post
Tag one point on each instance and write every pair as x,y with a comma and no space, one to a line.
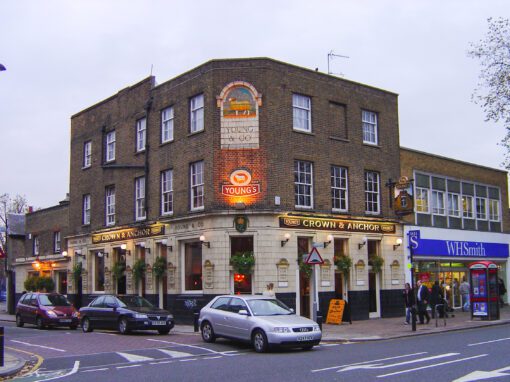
413,308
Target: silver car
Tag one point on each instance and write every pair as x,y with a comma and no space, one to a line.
263,321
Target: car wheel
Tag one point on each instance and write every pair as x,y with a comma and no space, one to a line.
19,321
307,348
73,327
259,341
208,332
163,331
39,323
123,326
85,325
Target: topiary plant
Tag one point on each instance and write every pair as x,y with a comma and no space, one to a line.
138,269
159,267
242,262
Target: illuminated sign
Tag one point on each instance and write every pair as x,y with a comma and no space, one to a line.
299,222
129,233
404,201
240,184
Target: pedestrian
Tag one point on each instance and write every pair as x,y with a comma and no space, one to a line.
464,292
409,301
423,297
436,299
501,290
269,290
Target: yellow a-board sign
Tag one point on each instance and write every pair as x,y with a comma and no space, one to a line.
335,311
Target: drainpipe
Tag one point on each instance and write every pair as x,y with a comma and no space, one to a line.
147,107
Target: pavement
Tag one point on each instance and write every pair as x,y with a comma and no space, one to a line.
366,330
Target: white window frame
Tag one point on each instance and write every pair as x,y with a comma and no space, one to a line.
372,193
452,211
301,113
339,175
57,243
369,127
468,213
197,193
86,204
482,215
420,192
438,203
140,198
303,183
196,111
167,124
110,146
494,213
183,272
167,193
110,206
37,245
87,154
94,273
141,130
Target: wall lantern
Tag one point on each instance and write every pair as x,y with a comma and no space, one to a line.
206,243
78,253
329,240
363,242
287,237
64,253
397,244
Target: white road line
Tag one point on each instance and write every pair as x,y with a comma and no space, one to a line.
417,360
38,346
219,356
126,367
134,357
188,360
430,366
74,370
90,371
176,354
361,363
489,342
178,344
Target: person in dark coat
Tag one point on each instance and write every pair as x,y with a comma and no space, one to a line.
423,298
409,302
435,297
501,290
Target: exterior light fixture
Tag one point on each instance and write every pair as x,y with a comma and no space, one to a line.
123,247
363,242
64,253
287,237
397,243
329,240
206,243
78,253
101,254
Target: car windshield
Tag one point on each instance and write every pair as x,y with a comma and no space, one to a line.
269,307
53,300
135,302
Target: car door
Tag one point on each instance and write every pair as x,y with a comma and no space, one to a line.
238,325
95,311
217,313
32,309
23,306
110,312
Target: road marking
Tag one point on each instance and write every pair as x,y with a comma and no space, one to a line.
219,356
361,363
175,354
178,344
161,362
187,360
74,370
37,364
379,366
126,367
430,366
489,342
38,346
90,371
134,358
478,375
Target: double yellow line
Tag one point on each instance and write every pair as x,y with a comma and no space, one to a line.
39,358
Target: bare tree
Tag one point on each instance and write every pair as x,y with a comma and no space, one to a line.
493,90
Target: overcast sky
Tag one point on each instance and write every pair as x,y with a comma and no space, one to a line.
63,56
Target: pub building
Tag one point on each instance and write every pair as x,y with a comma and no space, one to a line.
460,216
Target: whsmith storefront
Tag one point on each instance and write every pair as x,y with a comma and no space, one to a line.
444,256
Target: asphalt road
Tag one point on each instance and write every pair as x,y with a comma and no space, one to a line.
471,355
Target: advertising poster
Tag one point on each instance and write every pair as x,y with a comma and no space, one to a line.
479,309
479,284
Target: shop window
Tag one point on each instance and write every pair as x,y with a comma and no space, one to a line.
62,282
193,266
242,281
98,263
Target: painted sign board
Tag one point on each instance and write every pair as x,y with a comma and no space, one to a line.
332,224
335,311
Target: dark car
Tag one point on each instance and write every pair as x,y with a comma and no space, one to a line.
125,313
46,309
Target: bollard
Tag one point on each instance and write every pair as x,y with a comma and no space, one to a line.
195,322
319,321
1,346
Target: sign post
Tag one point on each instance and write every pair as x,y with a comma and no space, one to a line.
313,259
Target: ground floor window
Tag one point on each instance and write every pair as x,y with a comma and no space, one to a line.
242,280
62,282
193,266
98,263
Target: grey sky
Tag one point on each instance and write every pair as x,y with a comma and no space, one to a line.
63,56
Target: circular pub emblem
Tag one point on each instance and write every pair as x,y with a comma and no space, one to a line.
240,178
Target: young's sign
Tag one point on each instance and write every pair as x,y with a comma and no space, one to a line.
240,184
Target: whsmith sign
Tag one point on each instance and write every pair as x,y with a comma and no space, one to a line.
128,233
336,224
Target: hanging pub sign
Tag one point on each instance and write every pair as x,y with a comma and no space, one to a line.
241,223
240,184
404,202
305,222
128,233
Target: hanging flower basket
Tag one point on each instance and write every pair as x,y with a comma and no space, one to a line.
343,264
118,270
377,264
77,271
242,262
138,269
159,267
305,268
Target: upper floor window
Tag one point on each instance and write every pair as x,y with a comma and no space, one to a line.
481,208
86,209
372,197
422,200
369,122
167,124
493,210
56,242
467,206
453,205
167,198
140,198
339,188
141,129
36,246
110,146
197,185
303,184
110,205
87,154
438,202
302,112
196,108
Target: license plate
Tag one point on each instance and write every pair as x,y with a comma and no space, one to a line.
158,322
305,338
65,320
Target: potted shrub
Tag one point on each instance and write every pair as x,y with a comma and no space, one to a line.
242,262
343,264
31,283
45,284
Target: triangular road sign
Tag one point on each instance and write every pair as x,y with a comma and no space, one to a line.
314,257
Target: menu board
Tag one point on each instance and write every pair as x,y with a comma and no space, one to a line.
335,312
479,280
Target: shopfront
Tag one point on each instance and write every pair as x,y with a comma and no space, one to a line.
444,255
